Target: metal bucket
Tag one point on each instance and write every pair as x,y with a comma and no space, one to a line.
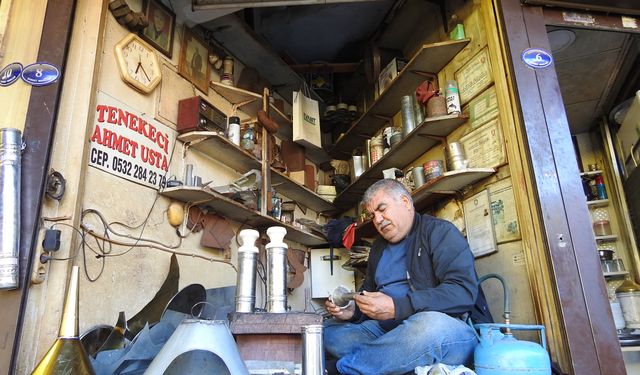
11,147
312,350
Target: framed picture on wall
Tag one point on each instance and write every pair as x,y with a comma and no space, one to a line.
193,63
162,22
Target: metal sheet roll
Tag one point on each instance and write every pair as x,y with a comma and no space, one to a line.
11,147
408,117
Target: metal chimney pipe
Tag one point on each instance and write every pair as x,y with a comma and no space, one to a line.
276,270
312,350
247,254
11,146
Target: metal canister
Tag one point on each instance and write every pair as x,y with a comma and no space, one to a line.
376,149
418,110
433,169
456,158
11,147
276,270
418,176
436,106
246,282
628,294
312,350
408,117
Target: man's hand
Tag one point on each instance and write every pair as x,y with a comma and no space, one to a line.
338,313
376,305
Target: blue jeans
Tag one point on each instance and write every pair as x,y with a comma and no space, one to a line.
422,339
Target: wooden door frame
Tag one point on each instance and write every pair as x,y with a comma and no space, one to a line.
38,136
580,291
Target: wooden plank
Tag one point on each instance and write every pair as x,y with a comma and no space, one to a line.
235,211
430,58
564,216
299,193
221,149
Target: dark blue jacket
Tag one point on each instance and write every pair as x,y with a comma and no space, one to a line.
441,273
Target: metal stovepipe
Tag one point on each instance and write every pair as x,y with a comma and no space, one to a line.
276,270
11,146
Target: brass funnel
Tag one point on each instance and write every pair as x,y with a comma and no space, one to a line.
67,355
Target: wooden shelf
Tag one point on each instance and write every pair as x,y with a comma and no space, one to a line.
608,238
299,193
447,184
409,149
235,211
590,173
430,58
221,149
285,126
615,274
598,203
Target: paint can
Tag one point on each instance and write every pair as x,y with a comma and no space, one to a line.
433,169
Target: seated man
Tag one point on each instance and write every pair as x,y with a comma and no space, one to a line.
420,288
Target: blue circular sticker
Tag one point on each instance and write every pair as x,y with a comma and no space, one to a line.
536,58
40,74
10,74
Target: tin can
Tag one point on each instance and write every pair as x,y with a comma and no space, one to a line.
233,131
376,149
433,169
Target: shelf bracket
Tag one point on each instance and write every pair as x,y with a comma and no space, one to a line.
430,75
236,106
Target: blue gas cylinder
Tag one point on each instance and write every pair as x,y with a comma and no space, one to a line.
503,354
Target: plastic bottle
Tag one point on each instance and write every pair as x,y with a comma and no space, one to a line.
248,139
276,204
600,189
233,131
452,97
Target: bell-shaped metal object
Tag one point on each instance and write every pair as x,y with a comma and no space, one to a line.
199,346
67,355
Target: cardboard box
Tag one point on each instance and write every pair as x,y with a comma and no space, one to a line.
389,73
310,177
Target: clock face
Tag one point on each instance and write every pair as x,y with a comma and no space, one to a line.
138,63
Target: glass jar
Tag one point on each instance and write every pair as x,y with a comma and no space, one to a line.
628,294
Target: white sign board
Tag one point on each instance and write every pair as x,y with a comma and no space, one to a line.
129,144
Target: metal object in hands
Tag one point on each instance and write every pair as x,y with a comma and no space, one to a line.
341,296
11,147
312,350
247,254
276,270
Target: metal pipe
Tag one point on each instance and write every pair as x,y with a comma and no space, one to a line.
11,146
312,350
276,270
246,288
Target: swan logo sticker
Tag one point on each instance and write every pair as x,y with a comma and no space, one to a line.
536,58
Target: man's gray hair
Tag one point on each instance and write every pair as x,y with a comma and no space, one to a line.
391,187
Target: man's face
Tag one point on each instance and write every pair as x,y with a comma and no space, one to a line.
158,20
392,217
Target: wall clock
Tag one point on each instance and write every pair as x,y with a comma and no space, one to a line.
138,63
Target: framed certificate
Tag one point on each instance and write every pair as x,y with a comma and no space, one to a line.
474,76
479,224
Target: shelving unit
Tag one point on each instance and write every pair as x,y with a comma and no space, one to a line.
421,139
431,58
598,203
233,210
615,274
608,238
253,101
221,149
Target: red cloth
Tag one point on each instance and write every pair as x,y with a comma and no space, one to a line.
349,236
426,91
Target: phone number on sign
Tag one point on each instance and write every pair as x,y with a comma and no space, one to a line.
127,168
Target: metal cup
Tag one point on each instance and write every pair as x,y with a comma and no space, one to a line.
418,176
